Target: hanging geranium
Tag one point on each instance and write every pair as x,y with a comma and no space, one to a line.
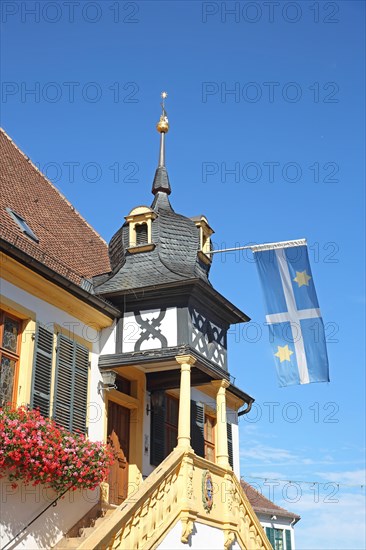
36,450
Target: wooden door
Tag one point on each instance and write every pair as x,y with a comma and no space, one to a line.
118,437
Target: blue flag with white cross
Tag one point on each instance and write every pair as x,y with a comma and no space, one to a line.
296,327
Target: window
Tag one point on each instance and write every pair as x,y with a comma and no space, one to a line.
229,429
209,437
23,225
280,539
171,424
10,330
141,234
70,391
164,429
164,426
123,385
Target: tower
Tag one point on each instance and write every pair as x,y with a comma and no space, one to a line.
173,329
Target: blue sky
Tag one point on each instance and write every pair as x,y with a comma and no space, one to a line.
266,110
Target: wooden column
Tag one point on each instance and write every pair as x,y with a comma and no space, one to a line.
184,418
222,452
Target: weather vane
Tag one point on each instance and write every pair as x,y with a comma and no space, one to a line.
163,124
163,95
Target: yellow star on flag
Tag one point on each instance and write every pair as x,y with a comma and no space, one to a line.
302,278
284,353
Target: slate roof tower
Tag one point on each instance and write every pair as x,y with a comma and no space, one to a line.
159,280
160,267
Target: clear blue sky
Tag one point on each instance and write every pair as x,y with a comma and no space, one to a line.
292,131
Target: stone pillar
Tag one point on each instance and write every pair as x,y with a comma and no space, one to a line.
222,453
184,418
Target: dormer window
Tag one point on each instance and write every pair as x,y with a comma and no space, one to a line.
205,238
140,221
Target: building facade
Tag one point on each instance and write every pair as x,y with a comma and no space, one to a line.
277,522
127,343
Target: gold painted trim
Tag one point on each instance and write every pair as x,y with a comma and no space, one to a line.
141,248
26,362
29,281
123,399
232,401
136,404
16,309
204,258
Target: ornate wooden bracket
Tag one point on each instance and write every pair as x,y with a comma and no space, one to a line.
187,529
229,539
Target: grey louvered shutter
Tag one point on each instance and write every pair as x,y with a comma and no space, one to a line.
157,445
42,370
80,397
197,428
288,539
141,234
71,385
270,536
230,443
63,396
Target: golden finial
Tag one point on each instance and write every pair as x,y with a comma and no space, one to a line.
163,124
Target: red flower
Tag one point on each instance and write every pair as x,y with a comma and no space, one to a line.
37,450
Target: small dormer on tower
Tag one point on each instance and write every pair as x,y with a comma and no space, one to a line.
205,238
140,235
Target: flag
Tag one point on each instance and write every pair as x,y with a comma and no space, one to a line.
296,327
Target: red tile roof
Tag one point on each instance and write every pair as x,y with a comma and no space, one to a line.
263,505
67,243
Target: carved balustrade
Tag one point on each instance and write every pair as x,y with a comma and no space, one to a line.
187,489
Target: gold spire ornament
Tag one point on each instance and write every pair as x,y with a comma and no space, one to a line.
163,124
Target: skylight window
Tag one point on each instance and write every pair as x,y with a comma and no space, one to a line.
23,225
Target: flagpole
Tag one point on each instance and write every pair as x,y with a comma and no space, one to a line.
258,247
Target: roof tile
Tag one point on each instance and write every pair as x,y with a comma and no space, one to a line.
67,243
262,504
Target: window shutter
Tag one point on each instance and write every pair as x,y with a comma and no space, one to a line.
270,536
230,443
288,539
80,397
141,234
71,385
197,428
63,402
157,436
42,371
